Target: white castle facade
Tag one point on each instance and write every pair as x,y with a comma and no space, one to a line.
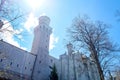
18,64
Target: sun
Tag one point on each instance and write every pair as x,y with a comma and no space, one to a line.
35,3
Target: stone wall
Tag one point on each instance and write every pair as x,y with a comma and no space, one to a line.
77,67
16,59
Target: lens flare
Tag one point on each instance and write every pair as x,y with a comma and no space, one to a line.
35,3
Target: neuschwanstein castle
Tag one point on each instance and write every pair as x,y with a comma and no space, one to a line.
18,64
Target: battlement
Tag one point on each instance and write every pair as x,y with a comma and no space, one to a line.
44,19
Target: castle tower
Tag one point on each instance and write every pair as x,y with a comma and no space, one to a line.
70,49
40,48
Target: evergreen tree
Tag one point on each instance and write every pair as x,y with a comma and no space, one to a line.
53,75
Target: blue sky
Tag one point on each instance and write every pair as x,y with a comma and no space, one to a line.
65,11
62,13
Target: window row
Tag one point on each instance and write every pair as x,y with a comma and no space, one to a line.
11,63
44,27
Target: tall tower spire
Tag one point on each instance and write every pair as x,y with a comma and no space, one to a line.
40,48
70,49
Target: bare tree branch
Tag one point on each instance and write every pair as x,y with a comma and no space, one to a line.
94,38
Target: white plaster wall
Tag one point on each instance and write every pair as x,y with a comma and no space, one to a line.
16,59
83,69
40,47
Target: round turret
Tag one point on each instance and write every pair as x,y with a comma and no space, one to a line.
70,48
44,19
40,48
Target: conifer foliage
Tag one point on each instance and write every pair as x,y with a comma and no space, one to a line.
53,74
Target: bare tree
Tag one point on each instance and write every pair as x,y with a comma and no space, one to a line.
10,11
11,17
93,37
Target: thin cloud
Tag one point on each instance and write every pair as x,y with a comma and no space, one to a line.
53,41
8,35
31,22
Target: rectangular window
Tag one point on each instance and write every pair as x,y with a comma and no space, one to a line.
17,65
38,71
1,60
30,69
39,62
11,63
51,60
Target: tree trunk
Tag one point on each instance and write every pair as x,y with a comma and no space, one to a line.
99,69
94,52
